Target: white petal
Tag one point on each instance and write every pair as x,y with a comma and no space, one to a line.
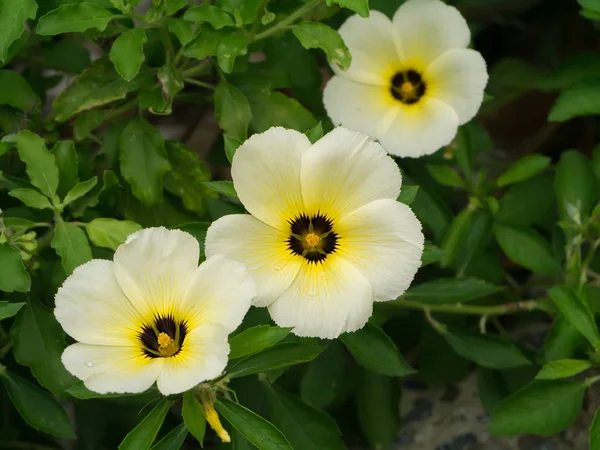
260,248
154,268
458,78
359,107
266,174
427,28
383,240
92,308
202,357
421,129
325,300
106,369
372,44
346,170
219,293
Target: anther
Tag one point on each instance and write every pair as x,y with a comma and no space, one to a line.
312,240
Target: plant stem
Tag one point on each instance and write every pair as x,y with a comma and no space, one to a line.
298,14
460,308
194,71
199,83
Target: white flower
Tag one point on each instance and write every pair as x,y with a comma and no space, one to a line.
326,236
412,80
152,315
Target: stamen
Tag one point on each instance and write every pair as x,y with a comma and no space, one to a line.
407,89
312,240
166,345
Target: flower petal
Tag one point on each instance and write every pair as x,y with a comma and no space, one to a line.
458,78
154,267
383,240
344,171
202,357
420,129
106,369
359,107
372,44
266,174
325,300
219,293
92,308
261,248
427,28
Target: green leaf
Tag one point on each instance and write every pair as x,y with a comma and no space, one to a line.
68,55
98,85
225,188
8,309
576,312
232,110
377,410
445,175
41,164
123,5
231,146
562,368
323,380
485,350
431,254
15,91
272,109
276,357
255,339
173,440
110,233
374,349
456,235
359,6
182,29
303,425
211,14
79,190
523,169
531,202
451,290
13,276
74,18
193,416
408,194
595,432
86,122
143,160
315,133
187,176
319,35
39,342
229,49
68,170
142,436
71,245
171,84
31,198
263,434
575,183
526,247
127,53
13,15
562,341
542,407
579,99
37,407
205,44
18,223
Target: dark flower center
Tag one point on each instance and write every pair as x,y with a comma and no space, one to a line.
163,338
312,237
408,87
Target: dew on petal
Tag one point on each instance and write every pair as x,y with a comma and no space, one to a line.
89,364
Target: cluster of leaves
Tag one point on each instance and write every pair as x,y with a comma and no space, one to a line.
496,236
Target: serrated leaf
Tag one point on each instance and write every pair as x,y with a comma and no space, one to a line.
127,53
37,407
41,164
374,350
255,339
71,244
13,276
13,15
229,49
451,290
524,168
8,309
232,110
211,14
74,18
79,190
31,198
205,43
562,368
319,35
110,233
182,29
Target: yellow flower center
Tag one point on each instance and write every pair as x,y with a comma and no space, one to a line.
407,89
166,345
312,240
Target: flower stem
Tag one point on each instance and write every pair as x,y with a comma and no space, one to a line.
199,83
460,308
298,14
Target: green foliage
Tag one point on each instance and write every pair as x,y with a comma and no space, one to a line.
142,436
